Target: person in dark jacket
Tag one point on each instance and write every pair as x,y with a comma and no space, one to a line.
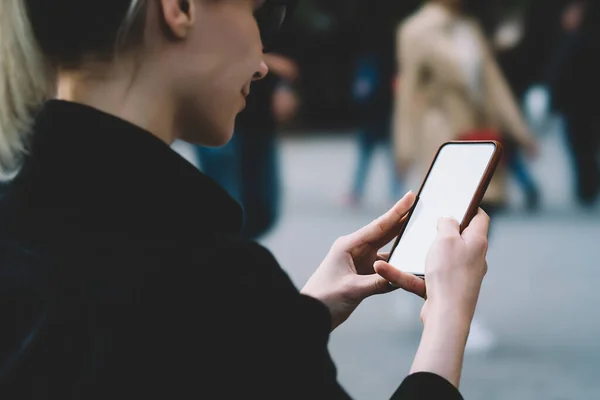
122,272
560,50
372,92
575,83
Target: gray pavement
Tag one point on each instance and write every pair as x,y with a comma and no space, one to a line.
540,297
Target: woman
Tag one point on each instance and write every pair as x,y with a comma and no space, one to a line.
452,89
109,287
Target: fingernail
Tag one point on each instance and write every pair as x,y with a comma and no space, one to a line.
406,195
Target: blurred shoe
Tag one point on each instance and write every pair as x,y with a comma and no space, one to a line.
532,200
481,340
587,196
537,108
587,203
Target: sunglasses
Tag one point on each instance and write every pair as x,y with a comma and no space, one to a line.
270,17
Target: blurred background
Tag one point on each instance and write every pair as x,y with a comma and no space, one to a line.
359,91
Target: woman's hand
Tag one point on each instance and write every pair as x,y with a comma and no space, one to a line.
456,266
347,276
454,271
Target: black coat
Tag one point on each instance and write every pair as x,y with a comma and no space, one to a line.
121,276
530,62
577,80
569,64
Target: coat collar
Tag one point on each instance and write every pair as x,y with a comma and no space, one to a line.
98,164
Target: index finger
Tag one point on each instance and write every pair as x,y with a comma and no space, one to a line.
479,226
401,280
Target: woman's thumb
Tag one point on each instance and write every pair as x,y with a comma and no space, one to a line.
369,285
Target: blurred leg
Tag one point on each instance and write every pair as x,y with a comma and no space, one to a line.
260,182
366,145
582,134
397,186
525,180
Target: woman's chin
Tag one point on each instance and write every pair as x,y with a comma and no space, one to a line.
223,138
218,138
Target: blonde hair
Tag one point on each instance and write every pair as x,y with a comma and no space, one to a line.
27,78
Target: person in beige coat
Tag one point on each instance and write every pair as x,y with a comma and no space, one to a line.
450,84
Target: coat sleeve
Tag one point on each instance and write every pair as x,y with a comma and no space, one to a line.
426,386
291,333
406,107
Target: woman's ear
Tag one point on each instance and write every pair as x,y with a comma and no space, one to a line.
178,16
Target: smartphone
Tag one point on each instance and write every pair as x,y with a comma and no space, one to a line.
454,187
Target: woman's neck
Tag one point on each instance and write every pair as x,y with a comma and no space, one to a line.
123,96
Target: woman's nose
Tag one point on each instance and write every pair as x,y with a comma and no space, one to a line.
262,72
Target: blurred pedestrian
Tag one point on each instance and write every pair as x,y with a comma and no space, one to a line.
506,37
373,86
560,51
575,87
452,88
372,91
574,80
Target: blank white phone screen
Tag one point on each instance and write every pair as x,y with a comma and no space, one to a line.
447,192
